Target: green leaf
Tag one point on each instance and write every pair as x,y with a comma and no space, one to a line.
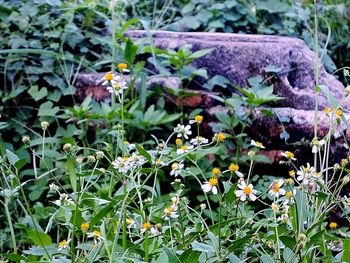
96,219
266,259
47,109
346,253
144,153
12,158
39,238
288,241
197,246
36,93
190,256
200,53
130,52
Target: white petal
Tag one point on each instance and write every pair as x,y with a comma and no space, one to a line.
238,193
206,187
214,190
252,197
243,197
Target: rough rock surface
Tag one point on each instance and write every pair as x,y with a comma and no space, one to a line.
239,57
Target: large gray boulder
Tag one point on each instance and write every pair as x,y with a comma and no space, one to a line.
239,57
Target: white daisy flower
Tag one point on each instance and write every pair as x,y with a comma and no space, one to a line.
245,190
175,201
199,140
184,149
283,218
170,212
275,188
234,168
118,86
130,223
317,145
63,244
122,164
96,235
183,131
288,155
211,185
305,173
64,200
257,144
53,187
108,78
176,168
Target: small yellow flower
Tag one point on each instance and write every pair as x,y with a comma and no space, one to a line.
122,66
339,113
63,244
344,162
290,181
184,147
178,142
108,76
275,207
289,154
147,225
247,190
327,110
289,194
129,221
85,227
213,181
198,118
291,173
97,234
216,171
333,225
233,167
220,137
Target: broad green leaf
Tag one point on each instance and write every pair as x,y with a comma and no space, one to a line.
39,238
12,158
36,93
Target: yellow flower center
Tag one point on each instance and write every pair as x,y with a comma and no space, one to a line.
216,171
168,210
220,137
175,166
213,181
290,155
289,194
291,173
247,190
96,233
122,66
85,226
63,243
289,181
259,144
178,142
109,76
147,225
327,110
333,225
129,221
184,148
233,167
339,113
275,187
116,86
198,118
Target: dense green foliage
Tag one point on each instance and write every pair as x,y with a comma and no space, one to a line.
119,180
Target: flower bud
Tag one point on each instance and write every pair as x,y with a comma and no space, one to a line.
26,139
44,125
99,155
91,159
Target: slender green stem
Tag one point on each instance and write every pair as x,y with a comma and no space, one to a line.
146,245
8,216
